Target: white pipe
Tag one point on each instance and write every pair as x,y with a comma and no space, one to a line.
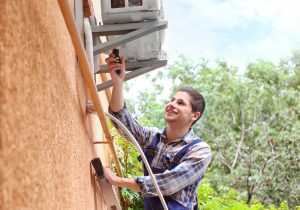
143,157
89,103
93,121
89,43
90,55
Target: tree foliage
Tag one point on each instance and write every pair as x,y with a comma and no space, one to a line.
207,200
131,167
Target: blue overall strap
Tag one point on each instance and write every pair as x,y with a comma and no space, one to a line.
151,150
177,158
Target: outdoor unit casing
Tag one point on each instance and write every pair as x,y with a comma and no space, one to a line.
129,11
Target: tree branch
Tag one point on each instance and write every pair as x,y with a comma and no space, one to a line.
240,143
272,157
224,160
234,121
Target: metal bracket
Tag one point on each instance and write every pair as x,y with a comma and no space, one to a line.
131,66
133,74
128,32
136,30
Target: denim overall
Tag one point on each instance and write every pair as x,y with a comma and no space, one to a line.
154,203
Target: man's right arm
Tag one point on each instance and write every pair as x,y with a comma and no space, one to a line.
117,104
117,99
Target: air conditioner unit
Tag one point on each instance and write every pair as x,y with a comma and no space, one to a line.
126,11
130,11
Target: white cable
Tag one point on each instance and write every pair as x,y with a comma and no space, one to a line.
143,157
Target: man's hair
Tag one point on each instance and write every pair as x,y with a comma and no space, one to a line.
197,100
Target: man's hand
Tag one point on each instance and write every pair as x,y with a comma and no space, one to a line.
120,181
117,99
113,67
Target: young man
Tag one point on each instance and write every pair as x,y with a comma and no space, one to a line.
178,157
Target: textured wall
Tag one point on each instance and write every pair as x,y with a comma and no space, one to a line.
45,140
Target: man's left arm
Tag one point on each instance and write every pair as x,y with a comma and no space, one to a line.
193,166
187,172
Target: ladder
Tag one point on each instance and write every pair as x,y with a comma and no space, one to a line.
108,192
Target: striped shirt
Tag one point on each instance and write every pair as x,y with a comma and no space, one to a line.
182,182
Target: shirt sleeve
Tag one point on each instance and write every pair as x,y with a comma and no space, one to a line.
191,168
142,134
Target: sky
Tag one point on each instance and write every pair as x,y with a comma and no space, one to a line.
236,31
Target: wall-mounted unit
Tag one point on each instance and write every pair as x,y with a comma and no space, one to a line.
135,27
131,11
127,11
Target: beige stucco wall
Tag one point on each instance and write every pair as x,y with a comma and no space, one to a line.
45,137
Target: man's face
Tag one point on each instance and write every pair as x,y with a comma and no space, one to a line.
179,110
